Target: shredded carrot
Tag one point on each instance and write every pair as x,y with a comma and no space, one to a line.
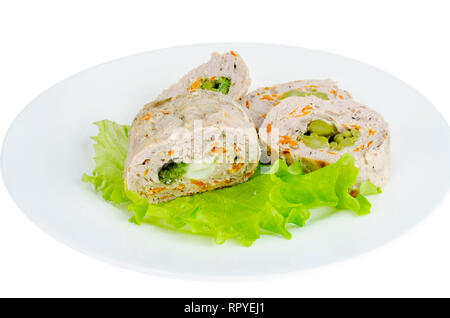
264,115
371,132
305,111
275,96
360,148
284,139
341,97
158,190
145,172
195,84
369,143
258,93
196,182
327,151
181,186
247,105
266,88
267,97
356,127
166,113
170,152
218,149
269,128
200,184
288,140
146,117
333,92
232,53
213,78
293,112
237,166
301,115
276,103
249,174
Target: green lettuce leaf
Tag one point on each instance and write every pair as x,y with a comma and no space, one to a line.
110,153
265,204
368,188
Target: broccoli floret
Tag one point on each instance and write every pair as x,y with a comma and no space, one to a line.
171,172
207,84
221,84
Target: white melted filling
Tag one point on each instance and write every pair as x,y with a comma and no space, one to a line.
199,170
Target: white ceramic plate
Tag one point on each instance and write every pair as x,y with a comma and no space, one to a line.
47,149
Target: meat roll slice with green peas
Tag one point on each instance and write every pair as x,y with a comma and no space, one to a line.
317,132
260,101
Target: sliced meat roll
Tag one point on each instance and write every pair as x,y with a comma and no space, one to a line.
318,132
188,144
224,73
259,102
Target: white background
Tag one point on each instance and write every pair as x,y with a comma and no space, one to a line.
43,42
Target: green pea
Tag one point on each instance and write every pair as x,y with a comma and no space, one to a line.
321,128
341,141
321,95
347,133
347,142
323,135
337,146
293,92
314,141
339,138
296,92
355,133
